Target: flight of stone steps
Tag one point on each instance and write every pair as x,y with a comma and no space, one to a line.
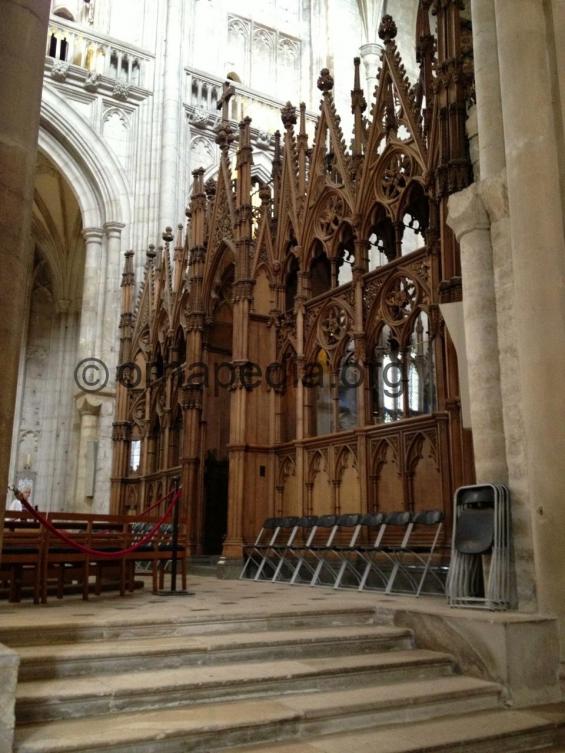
316,681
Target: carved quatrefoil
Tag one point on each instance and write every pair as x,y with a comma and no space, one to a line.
394,176
400,298
333,325
330,215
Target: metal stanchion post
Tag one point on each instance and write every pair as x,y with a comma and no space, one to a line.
175,554
175,539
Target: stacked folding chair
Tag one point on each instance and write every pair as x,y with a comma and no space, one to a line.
480,573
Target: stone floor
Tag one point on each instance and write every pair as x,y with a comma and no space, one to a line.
309,663
209,596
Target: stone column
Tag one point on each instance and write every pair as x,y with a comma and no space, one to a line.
538,257
371,57
22,54
89,319
470,222
487,85
113,231
173,76
89,410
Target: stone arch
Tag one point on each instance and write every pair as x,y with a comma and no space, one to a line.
82,156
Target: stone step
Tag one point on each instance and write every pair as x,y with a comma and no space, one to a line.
64,698
141,654
485,732
136,626
215,726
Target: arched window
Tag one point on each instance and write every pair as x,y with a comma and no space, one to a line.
421,372
288,397
403,379
291,283
348,381
154,446
158,364
415,221
382,240
320,270
345,258
322,406
388,378
134,466
176,440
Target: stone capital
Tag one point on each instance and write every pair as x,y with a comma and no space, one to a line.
494,194
88,405
467,212
93,234
370,48
113,229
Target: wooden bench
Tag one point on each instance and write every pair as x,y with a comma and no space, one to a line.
35,556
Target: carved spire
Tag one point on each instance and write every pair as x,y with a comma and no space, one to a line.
128,305
178,260
302,142
358,107
276,171
224,133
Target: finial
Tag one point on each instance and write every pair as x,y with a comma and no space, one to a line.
151,253
168,236
265,193
288,115
210,188
387,29
325,80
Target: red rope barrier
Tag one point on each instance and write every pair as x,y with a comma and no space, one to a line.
143,513
94,552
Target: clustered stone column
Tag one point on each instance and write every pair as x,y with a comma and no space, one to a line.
23,30
510,226
538,254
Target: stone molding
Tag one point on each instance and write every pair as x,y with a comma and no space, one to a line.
467,212
494,194
93,234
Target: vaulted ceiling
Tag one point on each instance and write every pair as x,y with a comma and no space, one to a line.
57,232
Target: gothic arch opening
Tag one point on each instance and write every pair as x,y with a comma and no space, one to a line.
45,437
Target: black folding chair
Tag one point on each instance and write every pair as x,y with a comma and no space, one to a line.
392,537
414,561
255,552
313,549
290,556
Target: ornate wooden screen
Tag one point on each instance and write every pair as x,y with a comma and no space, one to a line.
294,330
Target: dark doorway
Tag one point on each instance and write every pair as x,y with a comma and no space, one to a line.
216,504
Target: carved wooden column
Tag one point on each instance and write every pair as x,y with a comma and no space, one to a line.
232,549
193,387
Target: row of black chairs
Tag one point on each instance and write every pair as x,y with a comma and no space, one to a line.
395,552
